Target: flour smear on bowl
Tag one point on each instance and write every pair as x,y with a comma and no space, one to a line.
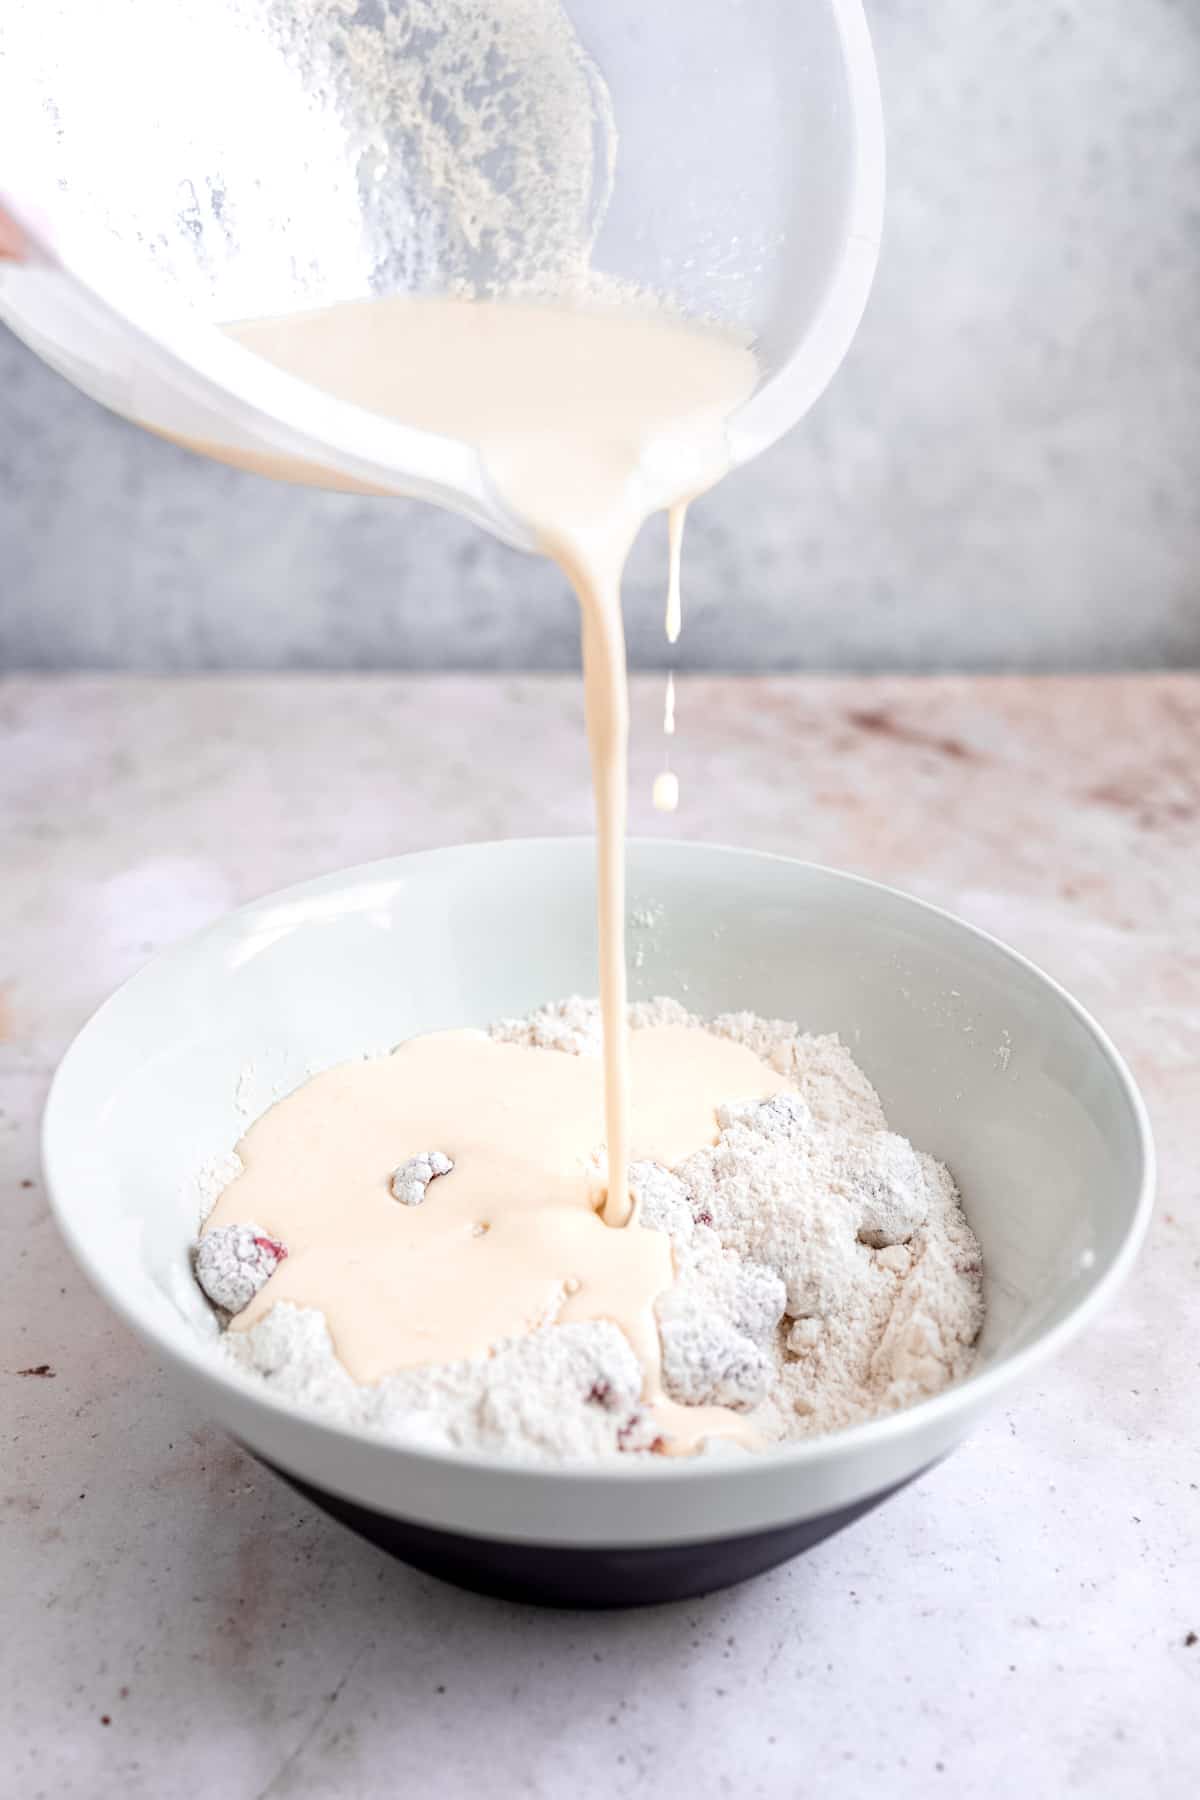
414,1244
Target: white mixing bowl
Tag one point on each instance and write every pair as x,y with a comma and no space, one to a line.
977,1056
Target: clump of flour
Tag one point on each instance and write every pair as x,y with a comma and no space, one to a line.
410,1183
569,1393
825,1273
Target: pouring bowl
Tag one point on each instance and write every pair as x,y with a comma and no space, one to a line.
174,170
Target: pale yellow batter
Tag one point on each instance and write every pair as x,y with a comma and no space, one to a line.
401,1285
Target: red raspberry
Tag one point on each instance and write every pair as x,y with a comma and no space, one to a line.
234,1261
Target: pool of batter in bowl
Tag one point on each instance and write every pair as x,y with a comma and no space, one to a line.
416,1244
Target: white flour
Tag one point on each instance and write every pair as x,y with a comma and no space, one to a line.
825,1274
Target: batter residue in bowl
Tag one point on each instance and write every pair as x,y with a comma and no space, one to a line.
791,1265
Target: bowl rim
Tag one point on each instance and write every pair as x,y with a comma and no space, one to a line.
953,1404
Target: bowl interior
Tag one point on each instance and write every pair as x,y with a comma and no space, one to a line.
977,1057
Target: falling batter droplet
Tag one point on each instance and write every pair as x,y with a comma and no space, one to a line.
666,785
666,791
675,519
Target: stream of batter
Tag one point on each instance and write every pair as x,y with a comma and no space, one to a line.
587,422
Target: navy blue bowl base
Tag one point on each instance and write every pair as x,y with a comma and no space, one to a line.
590,1577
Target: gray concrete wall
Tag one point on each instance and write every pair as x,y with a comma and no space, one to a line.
1005,474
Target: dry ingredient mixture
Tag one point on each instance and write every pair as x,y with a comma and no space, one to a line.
823,1273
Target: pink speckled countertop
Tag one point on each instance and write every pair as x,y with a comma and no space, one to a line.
1016,1625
